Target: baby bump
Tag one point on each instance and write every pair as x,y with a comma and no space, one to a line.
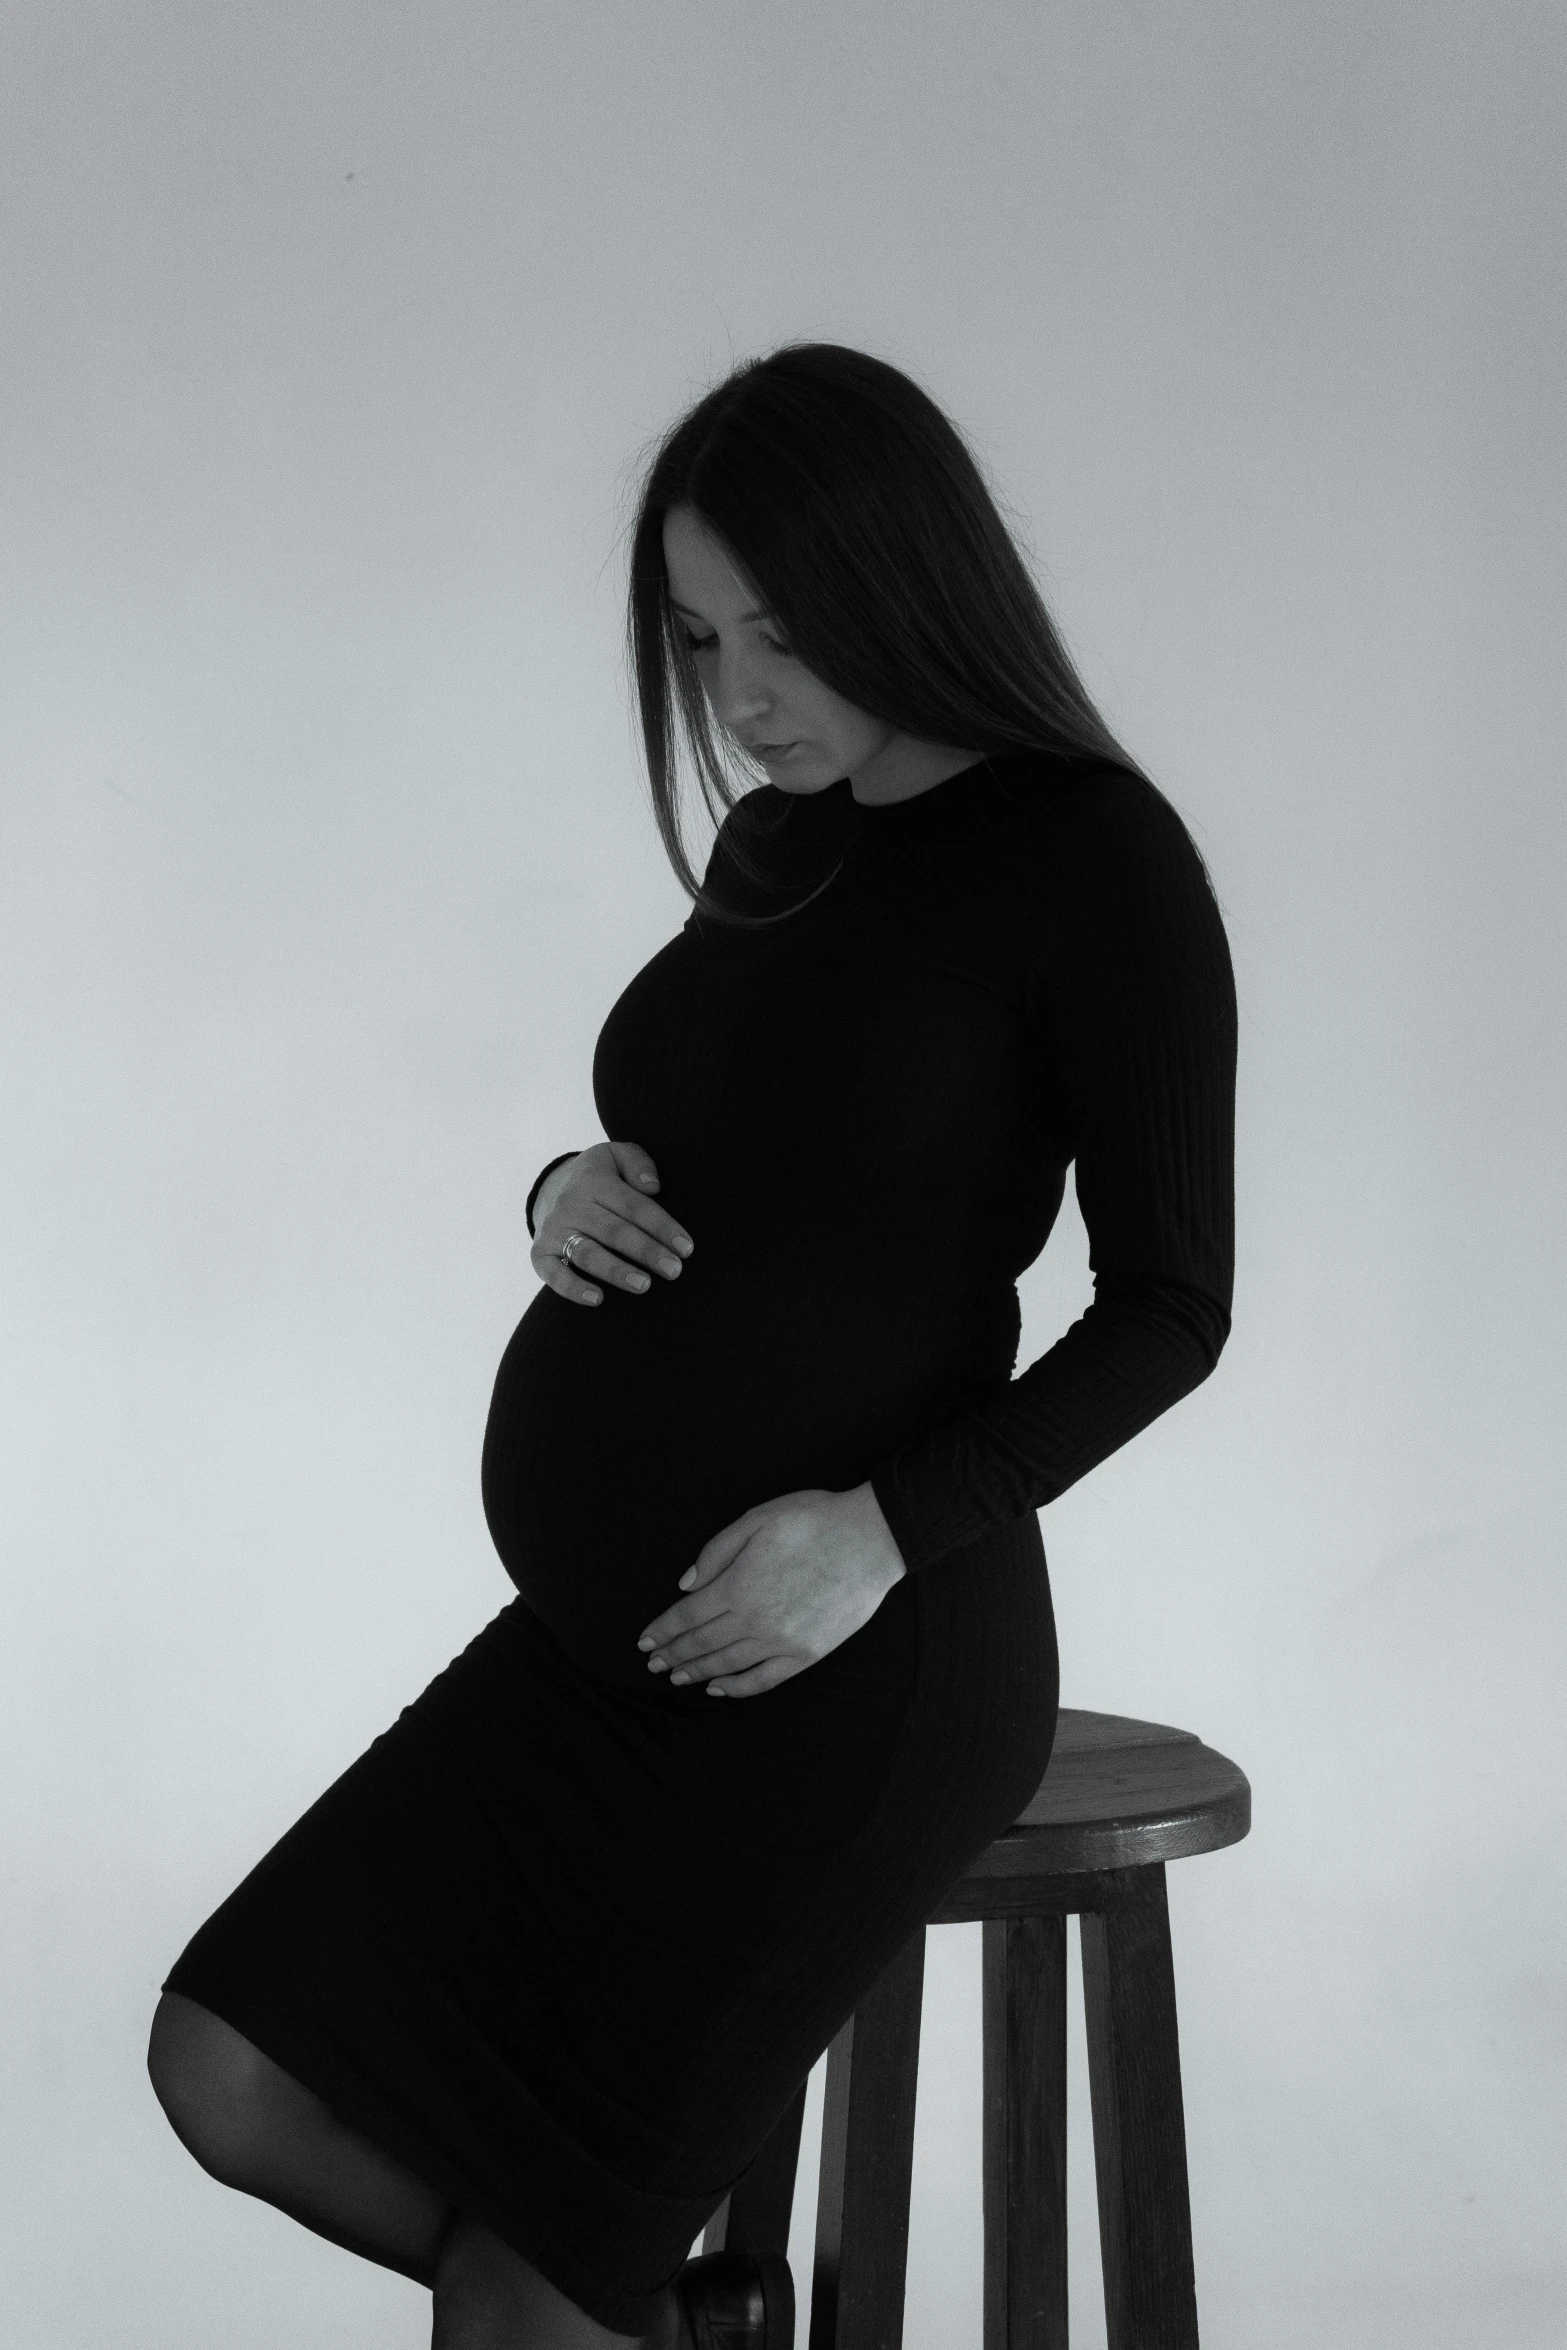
622,1437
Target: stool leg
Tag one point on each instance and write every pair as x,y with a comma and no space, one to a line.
862,2210
1134,2071
1025,2133
754,2215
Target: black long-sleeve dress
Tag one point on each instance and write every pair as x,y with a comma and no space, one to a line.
565,1939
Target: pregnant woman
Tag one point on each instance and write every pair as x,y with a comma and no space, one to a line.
517,2000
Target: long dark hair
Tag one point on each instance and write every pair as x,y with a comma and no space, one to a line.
853,507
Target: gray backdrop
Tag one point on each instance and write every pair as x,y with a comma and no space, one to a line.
331,335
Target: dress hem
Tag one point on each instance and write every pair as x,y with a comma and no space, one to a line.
355,2103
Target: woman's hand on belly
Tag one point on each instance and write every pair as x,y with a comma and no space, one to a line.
778,1589
598,1195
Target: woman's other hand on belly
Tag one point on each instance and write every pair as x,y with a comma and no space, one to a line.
776,1591
602,1195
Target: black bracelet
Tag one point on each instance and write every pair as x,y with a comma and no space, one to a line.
538,1182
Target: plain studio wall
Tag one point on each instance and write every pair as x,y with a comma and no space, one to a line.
331,336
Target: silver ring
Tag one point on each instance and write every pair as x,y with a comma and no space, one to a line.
568,1244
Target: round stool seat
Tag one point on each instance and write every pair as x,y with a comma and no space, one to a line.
1120,1794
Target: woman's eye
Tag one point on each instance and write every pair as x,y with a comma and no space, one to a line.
705,644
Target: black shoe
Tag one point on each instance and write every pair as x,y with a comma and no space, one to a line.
738,2301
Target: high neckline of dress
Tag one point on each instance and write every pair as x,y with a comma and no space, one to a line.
914,805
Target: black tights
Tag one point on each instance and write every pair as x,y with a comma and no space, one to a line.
253,2126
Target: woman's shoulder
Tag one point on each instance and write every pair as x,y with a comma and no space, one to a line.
759,809
766,813
1048,793
1072,821
767,845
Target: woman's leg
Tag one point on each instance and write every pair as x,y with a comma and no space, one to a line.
253,2126
487,2297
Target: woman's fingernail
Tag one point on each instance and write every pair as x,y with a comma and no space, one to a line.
657,1664
647,1641
687,1579
649,1180
676,1679
713,1690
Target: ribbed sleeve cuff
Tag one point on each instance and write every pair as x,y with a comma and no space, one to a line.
926,1525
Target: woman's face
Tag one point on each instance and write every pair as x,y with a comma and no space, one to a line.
804,734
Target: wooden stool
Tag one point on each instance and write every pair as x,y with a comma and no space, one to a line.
1120,1799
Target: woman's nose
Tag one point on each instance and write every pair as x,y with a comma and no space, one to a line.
740,698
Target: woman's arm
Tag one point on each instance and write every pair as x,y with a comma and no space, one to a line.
1133,1001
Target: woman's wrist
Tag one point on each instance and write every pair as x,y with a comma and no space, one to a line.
546,1184
878,1533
